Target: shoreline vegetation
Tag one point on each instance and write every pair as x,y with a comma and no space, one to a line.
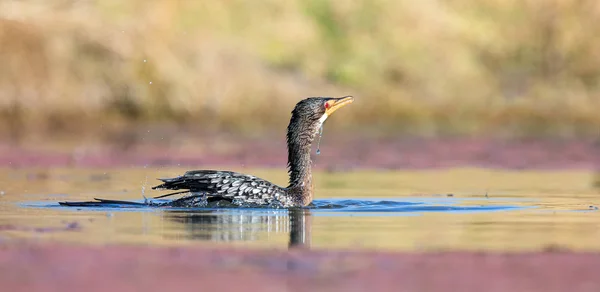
455,68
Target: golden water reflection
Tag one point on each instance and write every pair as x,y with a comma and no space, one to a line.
562,211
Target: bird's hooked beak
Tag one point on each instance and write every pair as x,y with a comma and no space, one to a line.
337,103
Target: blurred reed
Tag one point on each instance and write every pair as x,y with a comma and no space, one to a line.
455,67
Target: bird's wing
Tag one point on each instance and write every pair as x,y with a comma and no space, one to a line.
225,184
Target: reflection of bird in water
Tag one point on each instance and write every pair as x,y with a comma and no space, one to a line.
211,225
300,228
214,185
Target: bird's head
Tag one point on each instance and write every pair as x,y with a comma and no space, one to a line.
310,113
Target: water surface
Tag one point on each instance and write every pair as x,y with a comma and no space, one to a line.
449,209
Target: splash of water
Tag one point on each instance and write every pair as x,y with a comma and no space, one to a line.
144,187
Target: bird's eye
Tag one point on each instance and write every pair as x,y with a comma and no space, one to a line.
327,105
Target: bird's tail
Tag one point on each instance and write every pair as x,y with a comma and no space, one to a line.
103,203
118,203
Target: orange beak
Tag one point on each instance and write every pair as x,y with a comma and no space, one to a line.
337,103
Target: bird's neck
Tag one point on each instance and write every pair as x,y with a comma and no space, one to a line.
300,137
300,165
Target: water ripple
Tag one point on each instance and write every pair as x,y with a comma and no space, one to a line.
410,205
383,207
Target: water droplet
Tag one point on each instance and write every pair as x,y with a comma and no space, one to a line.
144,61
319,141
150,82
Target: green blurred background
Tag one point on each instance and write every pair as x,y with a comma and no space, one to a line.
502,68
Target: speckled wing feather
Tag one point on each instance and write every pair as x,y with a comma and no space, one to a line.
227,185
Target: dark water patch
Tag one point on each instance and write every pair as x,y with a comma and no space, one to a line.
70,226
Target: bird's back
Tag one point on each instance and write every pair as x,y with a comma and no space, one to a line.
227,185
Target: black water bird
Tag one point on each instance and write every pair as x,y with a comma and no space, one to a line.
205,186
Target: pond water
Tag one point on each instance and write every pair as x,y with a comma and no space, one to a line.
444,209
